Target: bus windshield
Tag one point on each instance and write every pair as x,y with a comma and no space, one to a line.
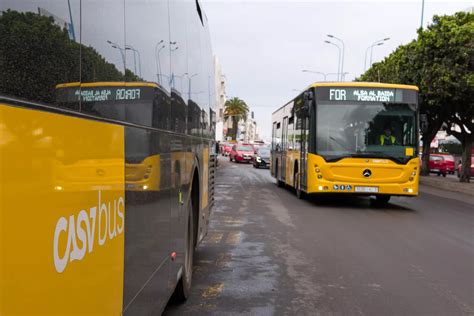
375,130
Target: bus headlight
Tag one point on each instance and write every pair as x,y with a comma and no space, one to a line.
259,159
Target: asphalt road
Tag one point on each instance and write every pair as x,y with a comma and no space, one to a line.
269,253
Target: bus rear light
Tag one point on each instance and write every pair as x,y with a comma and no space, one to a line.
325,188
317,170
411,179
413,173
320,176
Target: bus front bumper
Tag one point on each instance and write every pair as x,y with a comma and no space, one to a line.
399,189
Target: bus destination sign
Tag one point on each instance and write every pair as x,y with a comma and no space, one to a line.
104,94
108,94
361,94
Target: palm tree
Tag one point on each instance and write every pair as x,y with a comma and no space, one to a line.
235,109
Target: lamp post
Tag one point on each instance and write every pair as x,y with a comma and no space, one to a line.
316,72
157,56
343,52
376,43
338,60
130,47
189,83
122,53
422,12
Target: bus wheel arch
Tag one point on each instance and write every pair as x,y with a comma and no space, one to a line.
183,288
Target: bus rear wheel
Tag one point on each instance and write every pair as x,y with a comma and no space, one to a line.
183,289
299,193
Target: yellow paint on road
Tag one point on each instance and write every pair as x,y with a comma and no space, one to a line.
213,291
234,238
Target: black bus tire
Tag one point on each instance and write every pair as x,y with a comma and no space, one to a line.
183,288
382,200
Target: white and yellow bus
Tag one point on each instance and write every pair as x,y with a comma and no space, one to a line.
106,175
348,138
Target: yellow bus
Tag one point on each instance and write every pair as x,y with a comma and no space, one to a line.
106,174
348,138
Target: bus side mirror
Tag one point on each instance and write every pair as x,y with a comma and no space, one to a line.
423,123
307,100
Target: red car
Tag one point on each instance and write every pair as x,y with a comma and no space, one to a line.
449,160
241,153
438,165
472,168
226,148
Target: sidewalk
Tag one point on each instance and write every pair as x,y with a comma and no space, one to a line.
448,184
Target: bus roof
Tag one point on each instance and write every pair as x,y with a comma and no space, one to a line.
363,84
107,84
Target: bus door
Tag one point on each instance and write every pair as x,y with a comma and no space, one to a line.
304,122
284,141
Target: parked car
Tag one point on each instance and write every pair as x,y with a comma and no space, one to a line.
438,165
226,148
261,158
449,160
460,168
241,153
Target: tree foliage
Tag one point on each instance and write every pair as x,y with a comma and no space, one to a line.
36,55
440,63
235,109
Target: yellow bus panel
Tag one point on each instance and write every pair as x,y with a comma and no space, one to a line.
62,214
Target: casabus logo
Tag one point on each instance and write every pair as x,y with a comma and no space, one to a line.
85,227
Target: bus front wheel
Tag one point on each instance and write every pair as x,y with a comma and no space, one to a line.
382,200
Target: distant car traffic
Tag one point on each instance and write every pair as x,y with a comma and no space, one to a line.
241,153
261,158
472,168
438,165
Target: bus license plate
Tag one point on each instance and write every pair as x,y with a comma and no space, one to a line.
367,189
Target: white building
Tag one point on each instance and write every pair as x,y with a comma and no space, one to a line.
220,82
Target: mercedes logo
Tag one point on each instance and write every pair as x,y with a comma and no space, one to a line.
367,173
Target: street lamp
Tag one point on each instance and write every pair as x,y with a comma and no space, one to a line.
422,12
130,47
376,43
158,63
189,83
338,60
343,52
316,72
122,53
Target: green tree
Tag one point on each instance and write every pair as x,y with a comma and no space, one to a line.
235,109
36,55
440,63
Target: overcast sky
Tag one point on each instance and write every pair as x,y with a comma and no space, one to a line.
264,45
